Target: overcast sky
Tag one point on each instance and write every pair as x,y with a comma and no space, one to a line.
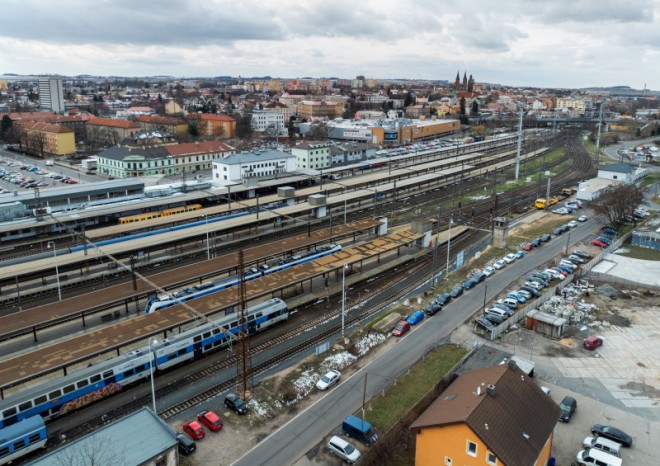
540,43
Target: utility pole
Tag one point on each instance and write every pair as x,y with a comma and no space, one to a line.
547,194
600,124
520,120
243,358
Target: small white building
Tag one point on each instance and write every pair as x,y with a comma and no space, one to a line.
268,120
622,172
258,164
312,154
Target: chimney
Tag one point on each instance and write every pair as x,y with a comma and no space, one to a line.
512,364
491,390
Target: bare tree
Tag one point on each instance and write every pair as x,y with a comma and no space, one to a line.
38,143
95,450
318,132
617,201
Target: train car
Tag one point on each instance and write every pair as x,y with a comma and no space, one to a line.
189,293
541,202
179,210
58,396
161,213
22,438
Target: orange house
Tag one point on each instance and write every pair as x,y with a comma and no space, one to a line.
497,416
214,125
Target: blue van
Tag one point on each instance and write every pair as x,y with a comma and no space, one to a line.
359,429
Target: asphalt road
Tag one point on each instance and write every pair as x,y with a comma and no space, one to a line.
294,439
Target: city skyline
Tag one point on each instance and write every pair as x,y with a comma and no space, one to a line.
559,44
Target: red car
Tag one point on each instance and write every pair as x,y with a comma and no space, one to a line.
599,243
194,430
591,343
528,247
401,328
210,420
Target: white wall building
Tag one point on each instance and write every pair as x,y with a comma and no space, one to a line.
622,172
259,164
51,94
312,154
268,120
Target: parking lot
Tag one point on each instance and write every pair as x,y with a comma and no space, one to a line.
15,176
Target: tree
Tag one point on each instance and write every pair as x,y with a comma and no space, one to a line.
475,107
291,127
463,103
95,450
244,127
5,125
617,201
193,129
318,132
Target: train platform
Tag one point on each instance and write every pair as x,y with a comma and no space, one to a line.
31,320
295,285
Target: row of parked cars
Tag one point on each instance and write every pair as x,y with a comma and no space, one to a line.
568,208
604,446
195,430
605,239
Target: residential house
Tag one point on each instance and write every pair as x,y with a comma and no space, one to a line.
283,109
352,152
497,416
126,161
629,174
194,156
159,123
45,139
319,109
312,154
214,125
122,129
268,121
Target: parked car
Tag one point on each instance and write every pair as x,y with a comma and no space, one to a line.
536,285
592,342
433,308
528,246
193,429
415,317
536,242
519,254
561,211
340,447
185,444
443,299
545,238
568,407
575,259
328,380
517,296
612,433
236,403
554,274
456,291
509,258
499,264
604,239
470,283
526,294
609,230
582,253
563,268
401,328
572,223
494,318
557,231
210,420
509,302
488,271
533,291
598,243
503,307
583,218
484,323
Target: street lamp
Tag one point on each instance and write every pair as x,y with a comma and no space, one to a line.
51,244
343,297
152,350
345,205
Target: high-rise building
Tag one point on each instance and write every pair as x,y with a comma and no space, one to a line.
51,94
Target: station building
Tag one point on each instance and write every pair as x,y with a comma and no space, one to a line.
391,131
259,164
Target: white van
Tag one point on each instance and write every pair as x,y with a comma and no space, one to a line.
593,457
604,444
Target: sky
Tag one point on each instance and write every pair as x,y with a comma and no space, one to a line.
537,43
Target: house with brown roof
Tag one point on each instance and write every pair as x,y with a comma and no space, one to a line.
121,128
497,416
160,123
193,156
45,139
214,125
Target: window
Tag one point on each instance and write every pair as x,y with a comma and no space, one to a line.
8,412
95,378
34,438
55,394
471,448
447,461
82,383
19,444
25,406
161,461
68,389
40,400
491,458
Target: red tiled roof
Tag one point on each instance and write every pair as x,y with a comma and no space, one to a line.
159,120
202,147
113,123
44,127
209,116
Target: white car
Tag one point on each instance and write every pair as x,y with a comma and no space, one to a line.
509,258
572,224
554,274
488,271
328,380
567,263
560,211
499,264
536,285
583,218
343,449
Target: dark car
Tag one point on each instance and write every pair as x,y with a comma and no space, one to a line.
563,268
545,238
456,291
557,231
186,444
612,433
536,242
604,239
485,323
531,290
568,406
582,254
236,403
433,308
494,318
503,307
565,228
443,299
469,283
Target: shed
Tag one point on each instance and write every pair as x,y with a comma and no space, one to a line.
545,324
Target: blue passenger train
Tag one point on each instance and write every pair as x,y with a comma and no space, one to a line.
21,438
160,302
61,395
